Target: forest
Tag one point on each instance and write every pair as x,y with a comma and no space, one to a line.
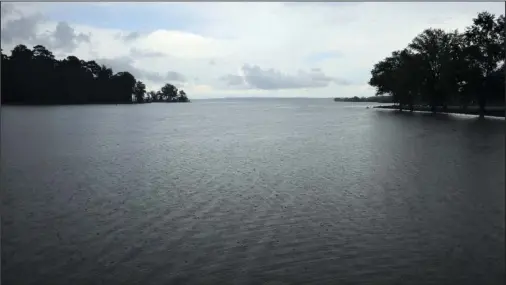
36,77
447,69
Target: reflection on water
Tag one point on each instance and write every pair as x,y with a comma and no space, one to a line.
258,191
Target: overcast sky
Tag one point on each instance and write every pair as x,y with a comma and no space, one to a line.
235,49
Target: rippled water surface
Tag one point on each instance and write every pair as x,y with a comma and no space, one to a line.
290,191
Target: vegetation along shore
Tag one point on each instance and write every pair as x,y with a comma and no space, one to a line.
35,77
448,71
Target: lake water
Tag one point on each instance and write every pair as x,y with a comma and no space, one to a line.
274,191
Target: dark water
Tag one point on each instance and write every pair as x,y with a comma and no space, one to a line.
250,192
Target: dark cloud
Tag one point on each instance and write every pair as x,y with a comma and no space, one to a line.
24,30
134,52
271,79
65,38
126,64
132,36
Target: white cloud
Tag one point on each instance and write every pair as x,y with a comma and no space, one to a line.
237,40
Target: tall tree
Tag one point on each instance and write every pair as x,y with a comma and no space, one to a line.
139,91
485,45
435,48
124,84
182,96
169,92
399,75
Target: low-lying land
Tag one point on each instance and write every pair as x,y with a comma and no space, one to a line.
375,99
493,111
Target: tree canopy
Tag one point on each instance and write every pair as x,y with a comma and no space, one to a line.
440,68
35,76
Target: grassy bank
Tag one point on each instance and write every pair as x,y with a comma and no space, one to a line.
493,111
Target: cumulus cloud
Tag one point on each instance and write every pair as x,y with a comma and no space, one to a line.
65,38
271,79
24,28
127,64
132,36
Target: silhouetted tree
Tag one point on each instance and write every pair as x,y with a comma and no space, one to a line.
152,96
169,92
435,48
182,96
139,91
438,68
36,77
485,40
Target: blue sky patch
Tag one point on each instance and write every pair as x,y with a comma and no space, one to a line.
127,16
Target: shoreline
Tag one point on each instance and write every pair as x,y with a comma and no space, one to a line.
492,111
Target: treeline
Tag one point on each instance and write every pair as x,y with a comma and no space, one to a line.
34,76
442,69
376,99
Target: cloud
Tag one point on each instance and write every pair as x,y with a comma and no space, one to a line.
175,76
127,64
271,79
135,52
24,28
6,9
65,38
124,63
131,36
234,80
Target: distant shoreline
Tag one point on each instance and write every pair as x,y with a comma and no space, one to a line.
372,99
492,111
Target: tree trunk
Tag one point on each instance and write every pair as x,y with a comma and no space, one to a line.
410,103
434,102
482,106
482,100
464,106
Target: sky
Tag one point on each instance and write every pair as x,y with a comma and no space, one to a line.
225,49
